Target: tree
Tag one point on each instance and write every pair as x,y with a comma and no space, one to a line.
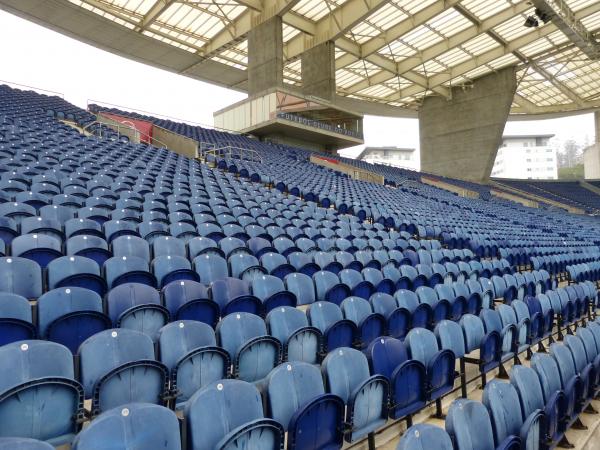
570,155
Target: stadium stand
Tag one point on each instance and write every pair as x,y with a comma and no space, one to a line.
276,303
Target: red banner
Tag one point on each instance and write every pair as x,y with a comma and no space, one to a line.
331,160
142,126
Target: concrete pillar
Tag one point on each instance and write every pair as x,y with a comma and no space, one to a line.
265,56
597,126
460,137
318,71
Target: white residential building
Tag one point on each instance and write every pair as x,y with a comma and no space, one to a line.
393,156
526,157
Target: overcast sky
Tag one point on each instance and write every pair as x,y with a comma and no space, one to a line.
35,56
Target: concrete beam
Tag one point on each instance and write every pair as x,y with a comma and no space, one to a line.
460,137
265,56
318,71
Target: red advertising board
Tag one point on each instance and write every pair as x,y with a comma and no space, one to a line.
144,127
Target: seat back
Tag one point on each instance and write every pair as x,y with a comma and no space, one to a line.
465,416
424,437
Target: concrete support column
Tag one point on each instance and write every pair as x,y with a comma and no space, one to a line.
460,137
318,71
597,126
265,56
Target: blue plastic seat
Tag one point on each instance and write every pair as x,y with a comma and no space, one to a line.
439,363
70,315
303,263
168,245
189,300
39,376
346,373
571,380
119,270
489,344
40,248
370,325
118,366
137,307
39,225
328,319
15,319
234,295
170,268
228,414
441,308
329,288
253,352
92,247
408,380
421,313
131,246
300,341
397,318
276,264
500,399
492,321
76,271
296,399
189,350
302,287
131,426
245,266
465,416
271,291
425,436
114,229
20,276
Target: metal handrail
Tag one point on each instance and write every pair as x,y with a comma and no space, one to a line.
231,152
119,125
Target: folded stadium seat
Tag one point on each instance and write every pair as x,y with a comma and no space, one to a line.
17,211
365,257
77,227
8,230
421,313
168,245
465,416
210,267
234,295
118,366
301,342
585,368
150,230
500,399
467,272
397,318
37,247
358,285
15,319
303,263
229,414
276,264
20,276
203,246
119,270
137,307
326,261
378,280
542,317
328,319
131,246
188,349
407,377
450,336
302,287
35,199
562,311
391,272
346,373
439,364
70,201
424,436
272,292
410,278
492,321
454,272
169,268
369,324
245,266
296,399
259,246
38,376
89,246
114,229
507,293
329,288
76,271
522,326
283,245
253,352
441,308
458,303
489,345
70,315
39,225
210,230
231,246
134,425
99,215
9,443
570,376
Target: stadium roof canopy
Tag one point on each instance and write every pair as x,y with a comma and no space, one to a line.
389,53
